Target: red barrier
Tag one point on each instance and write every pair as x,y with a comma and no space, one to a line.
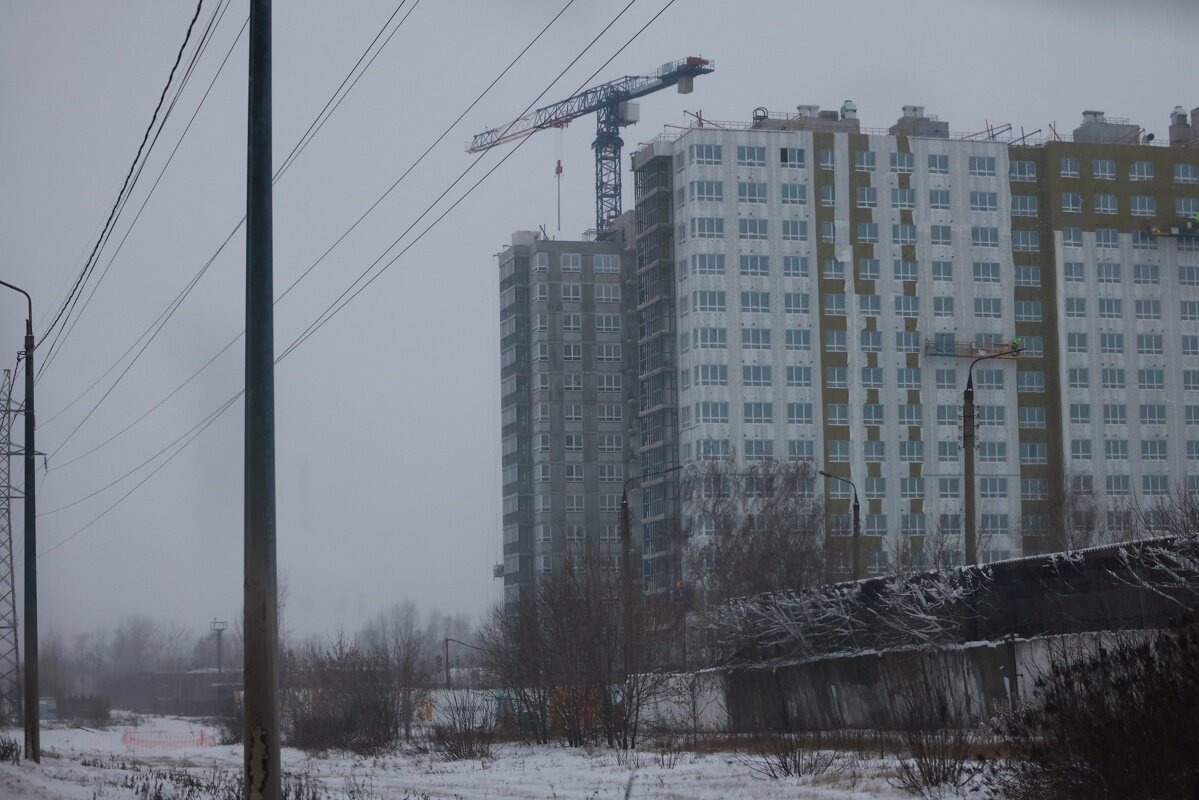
165,740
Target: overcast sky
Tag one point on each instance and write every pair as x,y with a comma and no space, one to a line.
388,476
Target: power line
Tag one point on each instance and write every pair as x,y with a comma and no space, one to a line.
301,145
196,430
290,160
128,176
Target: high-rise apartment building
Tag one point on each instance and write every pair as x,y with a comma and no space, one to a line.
811,290
567,370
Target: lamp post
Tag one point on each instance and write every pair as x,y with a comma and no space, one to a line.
857,524
219,626
971,543
445,644
33,746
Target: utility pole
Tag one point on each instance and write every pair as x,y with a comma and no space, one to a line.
968,436
263,764
33,743
10,655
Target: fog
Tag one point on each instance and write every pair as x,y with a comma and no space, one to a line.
388,417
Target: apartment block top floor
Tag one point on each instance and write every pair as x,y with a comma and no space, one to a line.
1096,128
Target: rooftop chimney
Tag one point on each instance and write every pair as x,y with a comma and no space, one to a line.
914,122
1182,132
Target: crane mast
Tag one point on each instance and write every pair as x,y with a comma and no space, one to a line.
614,110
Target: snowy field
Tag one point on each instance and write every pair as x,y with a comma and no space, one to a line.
84,764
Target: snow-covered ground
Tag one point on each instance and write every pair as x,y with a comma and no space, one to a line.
83,764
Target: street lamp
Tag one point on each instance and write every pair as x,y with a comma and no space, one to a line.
971,543
446,647
857,524
33,746
219,626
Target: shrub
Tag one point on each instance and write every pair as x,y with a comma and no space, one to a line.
464,726
791,755
84,709
10,749
1119,723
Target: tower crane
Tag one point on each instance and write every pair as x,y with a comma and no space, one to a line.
614,109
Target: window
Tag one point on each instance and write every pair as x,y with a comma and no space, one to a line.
748,192
834,304
799,414
1115,449
1034,453
828,195
1068,168
1105,204
989,379
755,375
982,165
1030,381
607,352
906,270
987,307
1153,450
710,339
867,233
801,339
608,383
990,486
1034,489
708,300
1074,271
874,450
748,156
1028,276
1148,309
942,270
907,306
992,452
711,375
1190,344
1107,238
984,237
941,234
607,293
1072,202
607,323
1110,308
570,262
986,272
863,160
758,412
707,228
1080,449
1071,237
1186,206
794,194
908,377
799,376
1026,241
1112,378
1076,306
911,488
800,450
1141,171
791,157
705,154
796,303
873,414
938,163
1147,274
984,201
606,263
903,198
1024,205
1144,206
712,411
836,414
949,488
751,228
1155,485
938,199
943,306
1189,310
1103,169
1032,417
755,302
871,341
828,159
795,266
834,341
902,233
947,451
1023,171
901,163
707,190
755,338
1109,273
708,264
1111,343
795,230
910,414
1076,343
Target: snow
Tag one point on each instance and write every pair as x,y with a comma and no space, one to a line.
85,764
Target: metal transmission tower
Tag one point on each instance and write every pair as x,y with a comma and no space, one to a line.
614,110
10,690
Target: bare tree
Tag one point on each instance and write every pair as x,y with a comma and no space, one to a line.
752,528
396,634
